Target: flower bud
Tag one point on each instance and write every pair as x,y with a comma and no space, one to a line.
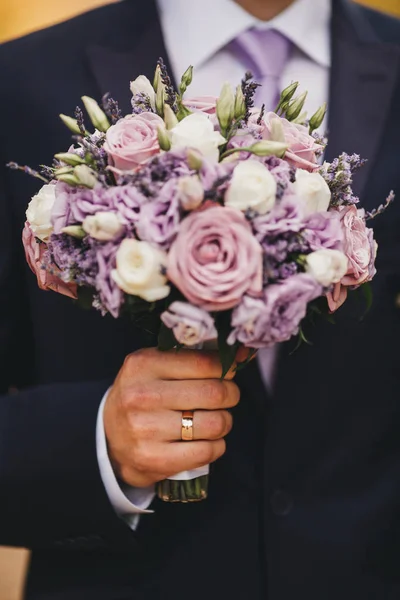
75,231
195,160
170,117
163,139
157,78
226,106
240,105
71,123
301,119
69,158
268,148
295,107
277,131
85,176
288,93
96,114
70,179
318,118
186,80
190,192
63,171
103,226
160,100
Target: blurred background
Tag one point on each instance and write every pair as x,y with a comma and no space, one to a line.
17,18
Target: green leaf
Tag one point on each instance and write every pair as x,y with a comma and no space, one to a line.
166,339
252,354
227,352
85,297
135,305
366,290
301,340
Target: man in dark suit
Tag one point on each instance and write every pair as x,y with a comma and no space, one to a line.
306,500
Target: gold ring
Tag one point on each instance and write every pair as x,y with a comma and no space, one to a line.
187,425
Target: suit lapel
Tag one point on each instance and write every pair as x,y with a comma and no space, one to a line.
117,63
364,72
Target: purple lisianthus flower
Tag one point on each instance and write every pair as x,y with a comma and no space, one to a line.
324,230
286,216
243,139
88,262
127,200
276,317
110,296
73,204
160,218
191,325
75,258
215,175
280,169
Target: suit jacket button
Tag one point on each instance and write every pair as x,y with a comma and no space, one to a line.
281,503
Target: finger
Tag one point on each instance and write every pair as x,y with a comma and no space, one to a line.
185,456
173,365
207,425
243,354
209,394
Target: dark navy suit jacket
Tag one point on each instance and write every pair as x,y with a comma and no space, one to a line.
306,502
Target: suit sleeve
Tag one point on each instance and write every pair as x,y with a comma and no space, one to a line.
51,492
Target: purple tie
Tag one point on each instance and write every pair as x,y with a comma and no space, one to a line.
265,53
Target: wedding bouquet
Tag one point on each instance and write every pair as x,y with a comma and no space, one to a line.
208,217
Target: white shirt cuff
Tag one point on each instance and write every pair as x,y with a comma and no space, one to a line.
128,502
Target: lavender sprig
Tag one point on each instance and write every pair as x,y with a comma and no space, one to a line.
322,141
111,108
25,169
98,158
261,115
47,172
171,95
381,209
141,103
80,120
339,176
249,89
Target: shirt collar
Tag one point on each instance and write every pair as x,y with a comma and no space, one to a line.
195,31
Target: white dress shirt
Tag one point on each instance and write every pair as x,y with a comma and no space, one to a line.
197,33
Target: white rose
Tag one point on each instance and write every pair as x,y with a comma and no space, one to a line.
197,131
252,187
142,85
103,226
327,266
190,192
313,190
140,270
39,211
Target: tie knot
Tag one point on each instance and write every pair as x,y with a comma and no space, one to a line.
266,52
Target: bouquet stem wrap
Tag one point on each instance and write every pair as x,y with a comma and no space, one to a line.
182,490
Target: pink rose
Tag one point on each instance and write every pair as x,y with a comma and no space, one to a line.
303,149
337,297
34,253
215,259
205,104
133,140
359,246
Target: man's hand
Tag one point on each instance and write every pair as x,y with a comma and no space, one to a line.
143,414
